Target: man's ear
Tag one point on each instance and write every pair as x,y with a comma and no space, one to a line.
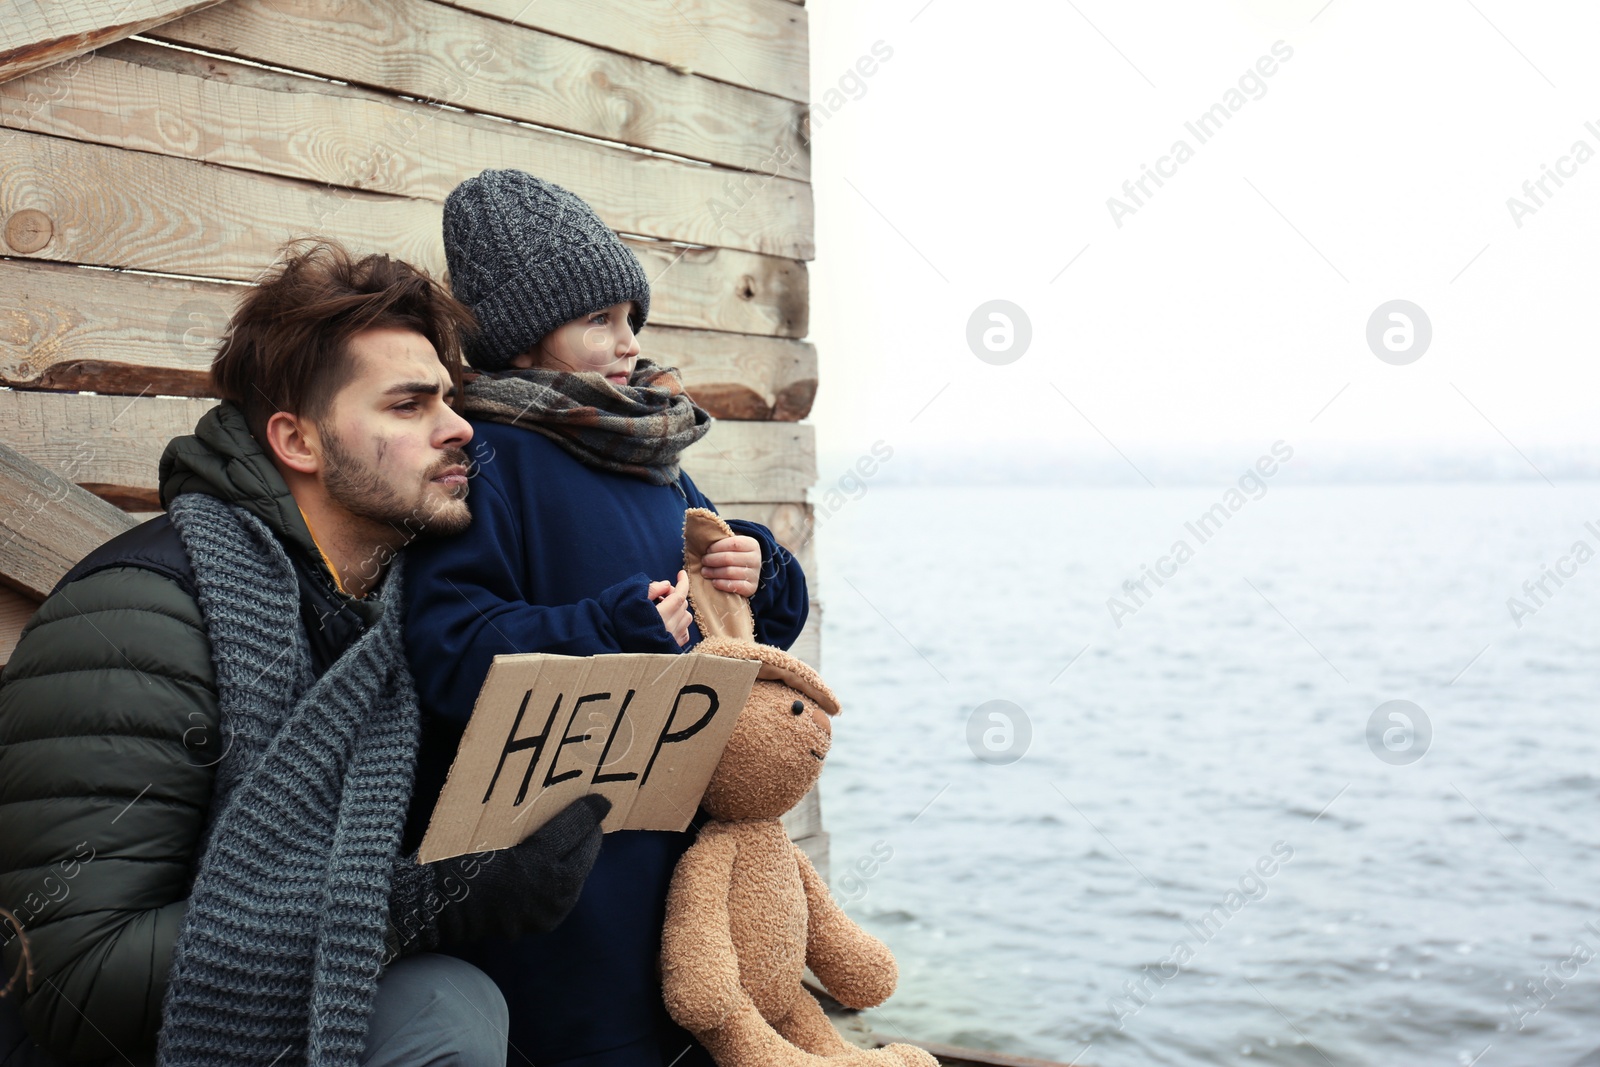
293,442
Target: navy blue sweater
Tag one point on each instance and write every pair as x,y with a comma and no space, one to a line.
558,559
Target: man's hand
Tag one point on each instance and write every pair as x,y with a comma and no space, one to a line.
734,564
673,604
525,889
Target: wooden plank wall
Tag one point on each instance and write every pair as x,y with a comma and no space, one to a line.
35,34
152,163
46,526
157,159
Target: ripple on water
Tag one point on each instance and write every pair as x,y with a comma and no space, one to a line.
1191,775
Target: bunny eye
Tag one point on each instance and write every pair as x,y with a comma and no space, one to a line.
798,707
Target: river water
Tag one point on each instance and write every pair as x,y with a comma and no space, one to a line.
1200,857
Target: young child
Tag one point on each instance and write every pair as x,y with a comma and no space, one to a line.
575,547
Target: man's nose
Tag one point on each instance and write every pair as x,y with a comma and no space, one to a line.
455,430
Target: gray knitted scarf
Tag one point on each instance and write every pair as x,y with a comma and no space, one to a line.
278,958
638,429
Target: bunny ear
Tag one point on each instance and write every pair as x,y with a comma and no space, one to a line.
776,666
718,612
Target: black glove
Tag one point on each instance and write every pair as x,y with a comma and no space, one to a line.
525,889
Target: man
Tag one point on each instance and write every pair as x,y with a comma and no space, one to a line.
208,732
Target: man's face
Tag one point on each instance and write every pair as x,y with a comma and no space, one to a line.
393,450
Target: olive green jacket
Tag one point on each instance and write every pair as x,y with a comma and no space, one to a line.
109,738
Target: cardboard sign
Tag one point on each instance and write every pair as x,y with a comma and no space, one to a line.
645,731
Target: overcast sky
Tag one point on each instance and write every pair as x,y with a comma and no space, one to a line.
1231,308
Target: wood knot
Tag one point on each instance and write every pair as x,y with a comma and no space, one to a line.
746,288
29,230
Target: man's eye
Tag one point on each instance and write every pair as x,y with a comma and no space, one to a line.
409,405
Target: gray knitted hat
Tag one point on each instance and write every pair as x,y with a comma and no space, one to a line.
527,256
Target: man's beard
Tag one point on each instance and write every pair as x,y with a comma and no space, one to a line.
361,490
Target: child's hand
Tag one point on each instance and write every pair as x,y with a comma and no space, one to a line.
734,564
673,604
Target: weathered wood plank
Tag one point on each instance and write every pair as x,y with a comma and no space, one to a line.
112,444
69,328
739,376
424,49
760,44
99,205
35,34
47,523
15,611
754,462
767,295
109,445
174,102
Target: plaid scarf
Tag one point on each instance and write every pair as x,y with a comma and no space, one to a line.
639,429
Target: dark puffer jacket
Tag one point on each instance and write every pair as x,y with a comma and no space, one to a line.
108,742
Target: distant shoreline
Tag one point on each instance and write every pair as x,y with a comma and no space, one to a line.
914,466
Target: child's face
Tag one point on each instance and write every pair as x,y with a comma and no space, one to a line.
600,342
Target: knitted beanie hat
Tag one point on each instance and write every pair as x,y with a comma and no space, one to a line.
527,256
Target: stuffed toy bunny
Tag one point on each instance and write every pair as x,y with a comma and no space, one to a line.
747,912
